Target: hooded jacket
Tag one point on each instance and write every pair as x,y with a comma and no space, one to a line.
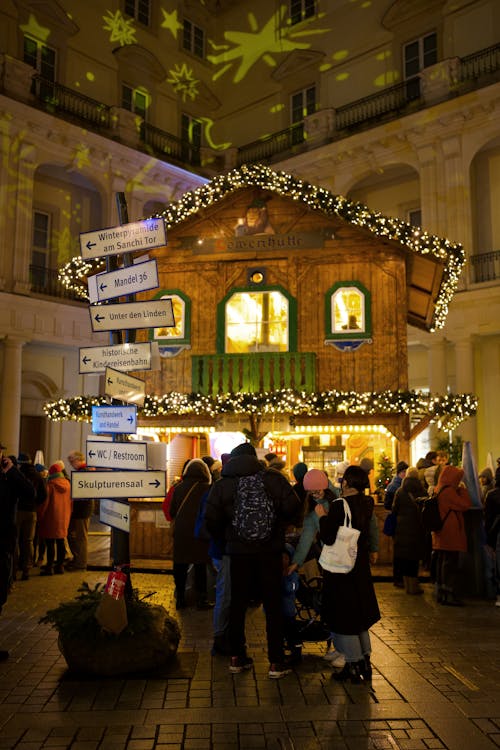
453,500
220,504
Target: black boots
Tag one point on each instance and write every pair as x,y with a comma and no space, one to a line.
355,671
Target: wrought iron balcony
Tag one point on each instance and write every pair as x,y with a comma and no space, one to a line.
213,374
169,146
45,281
263,149
485,266
58,99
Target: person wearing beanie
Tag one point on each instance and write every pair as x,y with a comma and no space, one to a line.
53,519
188,549
349,604
13,486
257,561
26,518
81,513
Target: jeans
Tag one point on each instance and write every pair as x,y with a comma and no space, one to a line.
354,647
78,534
222,595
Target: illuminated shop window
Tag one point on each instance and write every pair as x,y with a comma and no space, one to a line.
139,9
257,321
348,314
417,55
180,333
193,38
135,100
301,9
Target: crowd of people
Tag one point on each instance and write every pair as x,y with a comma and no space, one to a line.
40,525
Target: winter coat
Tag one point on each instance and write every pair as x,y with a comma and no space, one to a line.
220,505
195,481
349,604
409,539
492,514
26,503
391,490
453,501
310,531
55,512
13,487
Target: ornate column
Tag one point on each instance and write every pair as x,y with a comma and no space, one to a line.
23,219
457,187
10,415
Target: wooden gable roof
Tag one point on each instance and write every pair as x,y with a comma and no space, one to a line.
433,264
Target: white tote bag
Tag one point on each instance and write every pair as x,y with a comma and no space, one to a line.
340,556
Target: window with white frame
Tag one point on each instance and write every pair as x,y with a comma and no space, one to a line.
40,57
257,321
302,103
139,9
302,9
193,38
417,55
135,100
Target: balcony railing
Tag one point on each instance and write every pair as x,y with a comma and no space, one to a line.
480,64
214,374
485,266
59,99
170,146
262,150
388,101
46,281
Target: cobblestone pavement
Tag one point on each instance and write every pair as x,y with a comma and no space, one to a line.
435,685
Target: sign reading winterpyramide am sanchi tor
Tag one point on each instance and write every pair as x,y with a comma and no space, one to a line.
157,313
125,484
127,238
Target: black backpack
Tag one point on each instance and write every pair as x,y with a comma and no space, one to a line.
254,515
431,517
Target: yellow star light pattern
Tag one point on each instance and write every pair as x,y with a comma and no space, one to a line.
122,30
263,44
171,22
183,82
34,29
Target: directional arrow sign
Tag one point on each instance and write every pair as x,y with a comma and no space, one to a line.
124,387
114,419
96,484
137,278
117,455
128,238
156,313
125,357
115,514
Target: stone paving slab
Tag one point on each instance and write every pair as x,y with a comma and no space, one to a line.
435,685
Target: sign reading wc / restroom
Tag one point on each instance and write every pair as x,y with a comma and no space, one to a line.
114,419
131,455
114,484
127,238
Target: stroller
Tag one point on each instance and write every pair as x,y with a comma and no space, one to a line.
308,604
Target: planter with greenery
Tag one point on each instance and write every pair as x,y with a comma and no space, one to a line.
149,641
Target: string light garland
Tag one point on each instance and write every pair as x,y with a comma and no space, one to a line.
447,411
73,275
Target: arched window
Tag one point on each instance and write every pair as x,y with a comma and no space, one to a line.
257,320
347,313
180,333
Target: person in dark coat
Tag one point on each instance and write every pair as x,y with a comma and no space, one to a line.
184,507
453,499
492,528
252,562
349,603
409,539
26,517
81,513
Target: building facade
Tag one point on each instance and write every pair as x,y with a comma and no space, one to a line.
393,104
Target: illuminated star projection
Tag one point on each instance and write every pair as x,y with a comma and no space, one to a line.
35,30
122,30
81,156
183,82
257,44
171,22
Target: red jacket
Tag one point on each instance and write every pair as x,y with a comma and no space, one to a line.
55,512
453,500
